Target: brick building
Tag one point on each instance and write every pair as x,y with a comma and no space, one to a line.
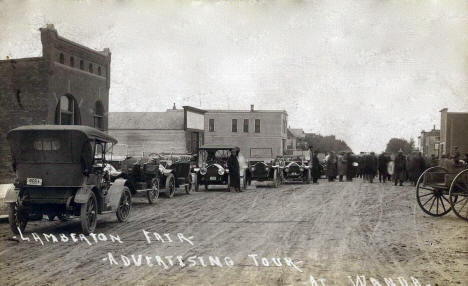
258,133
429,143
68,84
172,131
453,132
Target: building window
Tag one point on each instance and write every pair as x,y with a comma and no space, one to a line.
72,62
246,125
62,58
90,68
67,111
211,126
99,115
81,65
234,125
99,70
257,125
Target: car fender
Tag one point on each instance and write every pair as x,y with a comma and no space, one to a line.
115,192
11,194
82,195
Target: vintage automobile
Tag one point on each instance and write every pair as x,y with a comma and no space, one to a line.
213,168
265,171
444,188
155,173
296,169
60,173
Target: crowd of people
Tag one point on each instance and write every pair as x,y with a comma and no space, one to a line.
397,167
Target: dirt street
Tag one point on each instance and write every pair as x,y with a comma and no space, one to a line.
327,231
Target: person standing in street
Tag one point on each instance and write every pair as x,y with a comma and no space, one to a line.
234,173
331,166
315,167
341,166
383,161
399,172
349,167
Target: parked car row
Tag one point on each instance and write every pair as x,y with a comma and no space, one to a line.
64,172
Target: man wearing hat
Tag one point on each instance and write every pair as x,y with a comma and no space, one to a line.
234,173
399,171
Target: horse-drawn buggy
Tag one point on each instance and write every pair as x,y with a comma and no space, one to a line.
60,172
444,188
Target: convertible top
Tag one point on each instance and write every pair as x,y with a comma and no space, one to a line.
90,132
218,147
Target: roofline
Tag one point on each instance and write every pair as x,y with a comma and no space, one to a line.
244,111
191,108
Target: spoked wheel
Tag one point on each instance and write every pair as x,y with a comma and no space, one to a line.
125,205
432,200
17,218
153,193
458,195
170,185
88,215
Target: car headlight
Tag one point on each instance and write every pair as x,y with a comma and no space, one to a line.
221,172
203,171
286,170
266,169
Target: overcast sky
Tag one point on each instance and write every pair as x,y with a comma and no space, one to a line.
364,70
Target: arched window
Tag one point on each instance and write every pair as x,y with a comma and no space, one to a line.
90,68
67,111
72,61
81,65
62,58
99,70
99,115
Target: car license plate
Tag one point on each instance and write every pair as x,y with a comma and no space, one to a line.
213,178
34,181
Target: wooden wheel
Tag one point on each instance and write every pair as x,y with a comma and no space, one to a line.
153,194
432,200
458,194
88,215
170,185
17,218
125,205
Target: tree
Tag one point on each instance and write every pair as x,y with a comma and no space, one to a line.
395,144
326,143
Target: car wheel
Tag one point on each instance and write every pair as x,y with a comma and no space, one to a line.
170,186
206,187
125,205
88,215
17,218
276,180
153,193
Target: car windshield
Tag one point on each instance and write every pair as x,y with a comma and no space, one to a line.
215,155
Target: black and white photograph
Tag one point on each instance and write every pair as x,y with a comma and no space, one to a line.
234,142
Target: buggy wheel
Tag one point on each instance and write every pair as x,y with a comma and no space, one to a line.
432,201
170,186
88,215
276,180
458,195
153,193
189,186
125,205
17,218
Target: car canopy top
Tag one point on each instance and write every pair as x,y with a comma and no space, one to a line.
90,132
